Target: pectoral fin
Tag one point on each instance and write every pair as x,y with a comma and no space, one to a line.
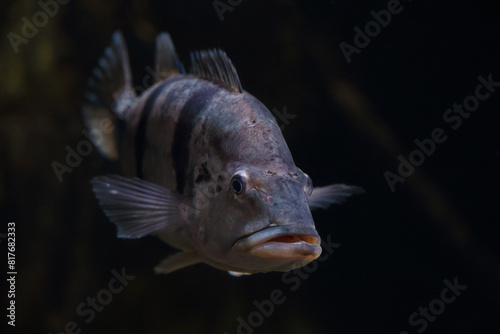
138,207
322,197
177,261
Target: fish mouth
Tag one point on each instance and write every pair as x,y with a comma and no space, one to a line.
282,242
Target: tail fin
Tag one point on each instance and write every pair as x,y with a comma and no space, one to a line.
167,62
109,95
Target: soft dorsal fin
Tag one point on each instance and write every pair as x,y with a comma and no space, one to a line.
109,93
215,65
167,62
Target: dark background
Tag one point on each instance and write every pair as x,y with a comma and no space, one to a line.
353,121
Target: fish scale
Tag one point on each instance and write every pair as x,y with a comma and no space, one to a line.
206,168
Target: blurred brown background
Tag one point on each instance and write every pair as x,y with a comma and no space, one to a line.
353,121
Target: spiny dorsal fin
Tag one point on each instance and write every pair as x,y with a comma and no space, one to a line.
167,62
109,93
216,66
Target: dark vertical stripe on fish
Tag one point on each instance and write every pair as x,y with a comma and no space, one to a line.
184,129
140,135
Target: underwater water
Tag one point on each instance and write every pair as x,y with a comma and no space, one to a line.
398,97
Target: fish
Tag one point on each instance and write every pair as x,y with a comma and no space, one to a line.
204,165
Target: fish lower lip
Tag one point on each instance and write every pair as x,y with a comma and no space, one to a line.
282,242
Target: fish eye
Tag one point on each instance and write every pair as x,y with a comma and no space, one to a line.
308,188
238,183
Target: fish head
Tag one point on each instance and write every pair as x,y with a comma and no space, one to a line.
261,221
